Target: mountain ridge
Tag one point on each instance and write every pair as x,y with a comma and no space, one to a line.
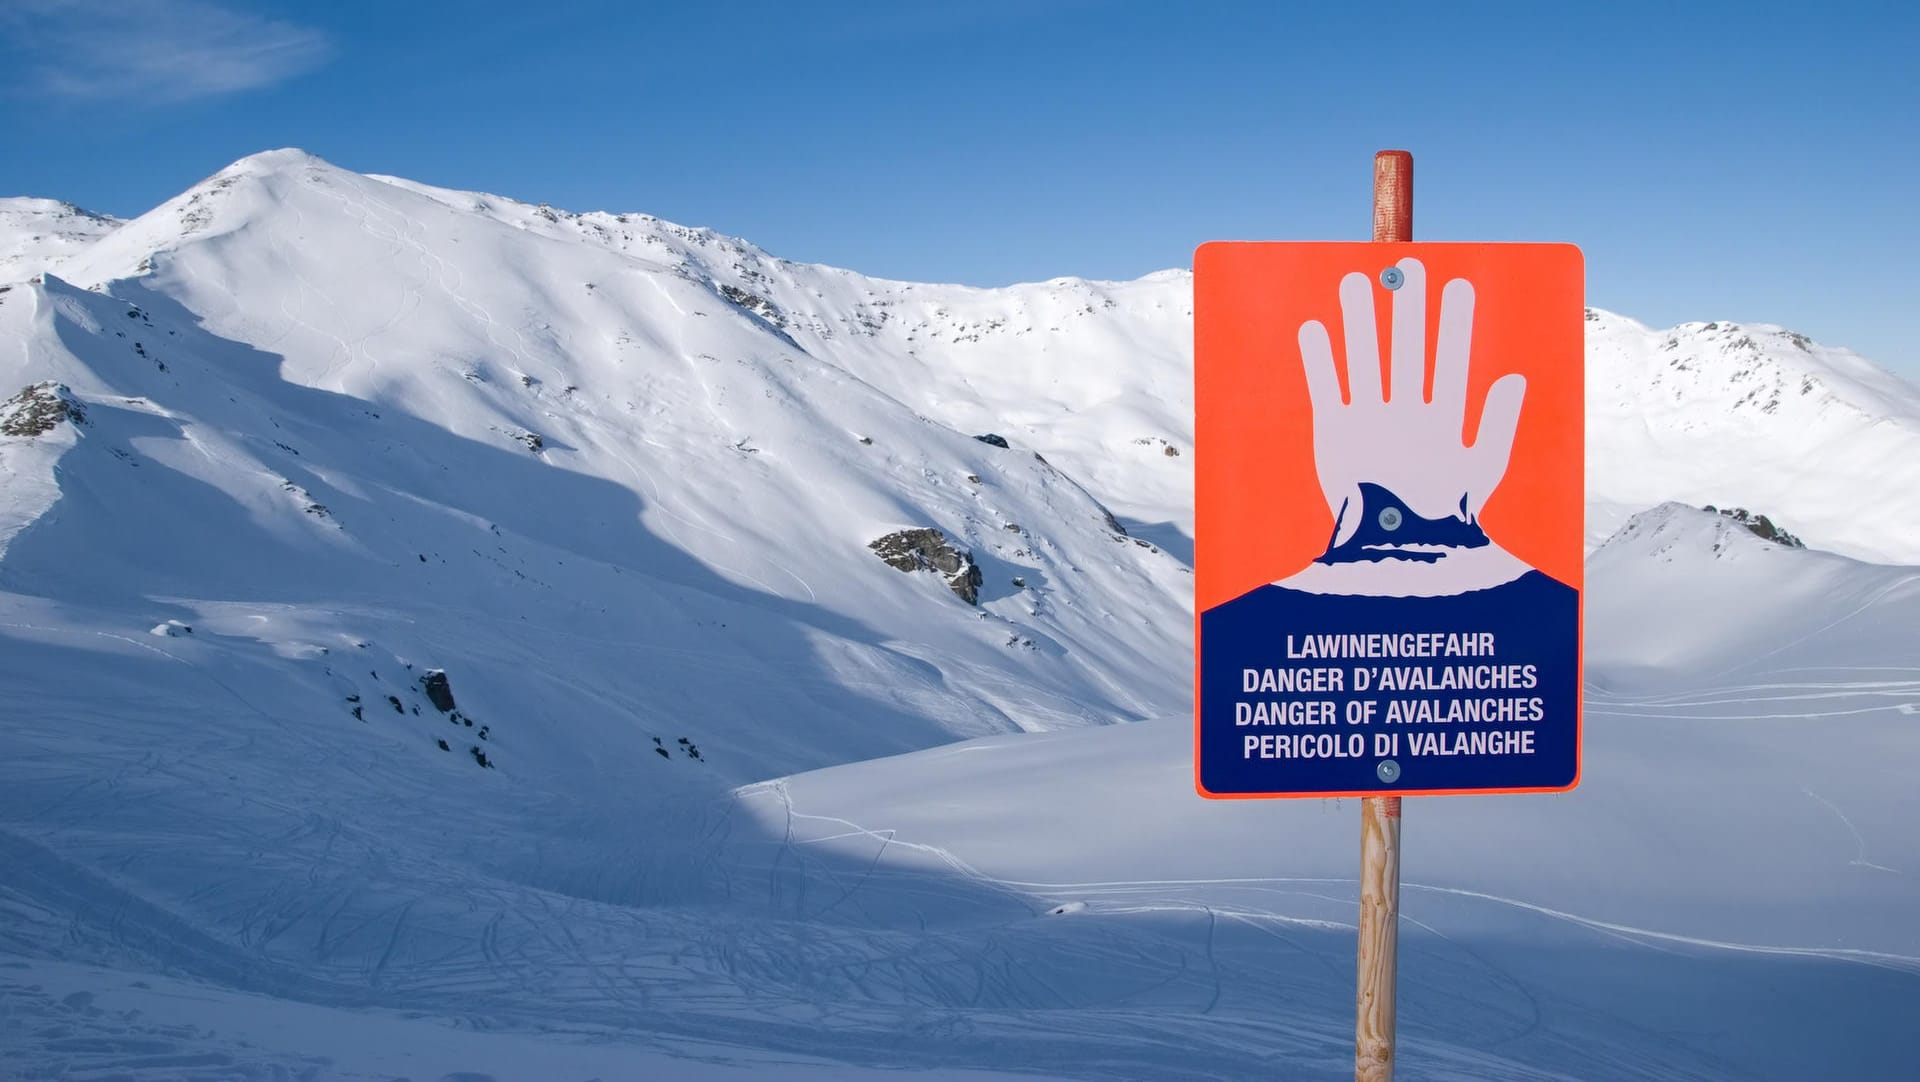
1096,374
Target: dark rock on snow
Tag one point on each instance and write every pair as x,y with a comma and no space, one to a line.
752,302
38,408
439,691
1762,526
928,550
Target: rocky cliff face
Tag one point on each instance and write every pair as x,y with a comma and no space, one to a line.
38,408
1760,525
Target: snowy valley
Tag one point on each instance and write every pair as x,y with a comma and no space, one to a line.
452,637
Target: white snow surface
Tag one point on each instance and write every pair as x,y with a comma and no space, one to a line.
38,233
617,478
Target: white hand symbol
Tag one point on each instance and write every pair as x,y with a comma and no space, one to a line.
1395,438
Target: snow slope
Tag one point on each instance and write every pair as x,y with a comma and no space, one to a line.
1730,893
691,463
39,233
1728,896
1754,416
700,796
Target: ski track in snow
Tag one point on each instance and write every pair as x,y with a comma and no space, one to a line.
1028,890
1860,842
1662,704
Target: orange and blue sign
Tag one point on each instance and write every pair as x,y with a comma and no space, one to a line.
1389,508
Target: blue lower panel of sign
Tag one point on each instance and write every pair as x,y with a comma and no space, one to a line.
1306,693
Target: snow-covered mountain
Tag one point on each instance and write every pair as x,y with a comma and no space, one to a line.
39,233
1094,375
424,606
1753,416
325,386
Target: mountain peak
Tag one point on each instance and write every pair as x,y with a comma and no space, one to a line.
39,233
1726,533
49,208
282,159
253,189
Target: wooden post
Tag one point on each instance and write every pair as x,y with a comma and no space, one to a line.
1393,196
1373,1033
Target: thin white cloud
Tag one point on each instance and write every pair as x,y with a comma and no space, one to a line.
158,51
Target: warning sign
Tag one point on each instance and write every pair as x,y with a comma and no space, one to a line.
1389,490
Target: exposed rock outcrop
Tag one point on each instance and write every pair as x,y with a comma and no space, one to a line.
928,550
753,302
439,691
38,408
1762,526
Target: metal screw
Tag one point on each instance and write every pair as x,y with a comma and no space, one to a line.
1388,770
1390,519
1391,278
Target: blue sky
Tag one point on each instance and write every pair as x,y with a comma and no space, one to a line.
1715,160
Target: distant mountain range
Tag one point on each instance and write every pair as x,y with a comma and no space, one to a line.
1095,375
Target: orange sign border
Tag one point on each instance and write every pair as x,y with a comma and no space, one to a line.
1217,259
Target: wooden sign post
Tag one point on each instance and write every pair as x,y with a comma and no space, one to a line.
1389,455
1373,1031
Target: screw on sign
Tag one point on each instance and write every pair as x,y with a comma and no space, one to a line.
1389,513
